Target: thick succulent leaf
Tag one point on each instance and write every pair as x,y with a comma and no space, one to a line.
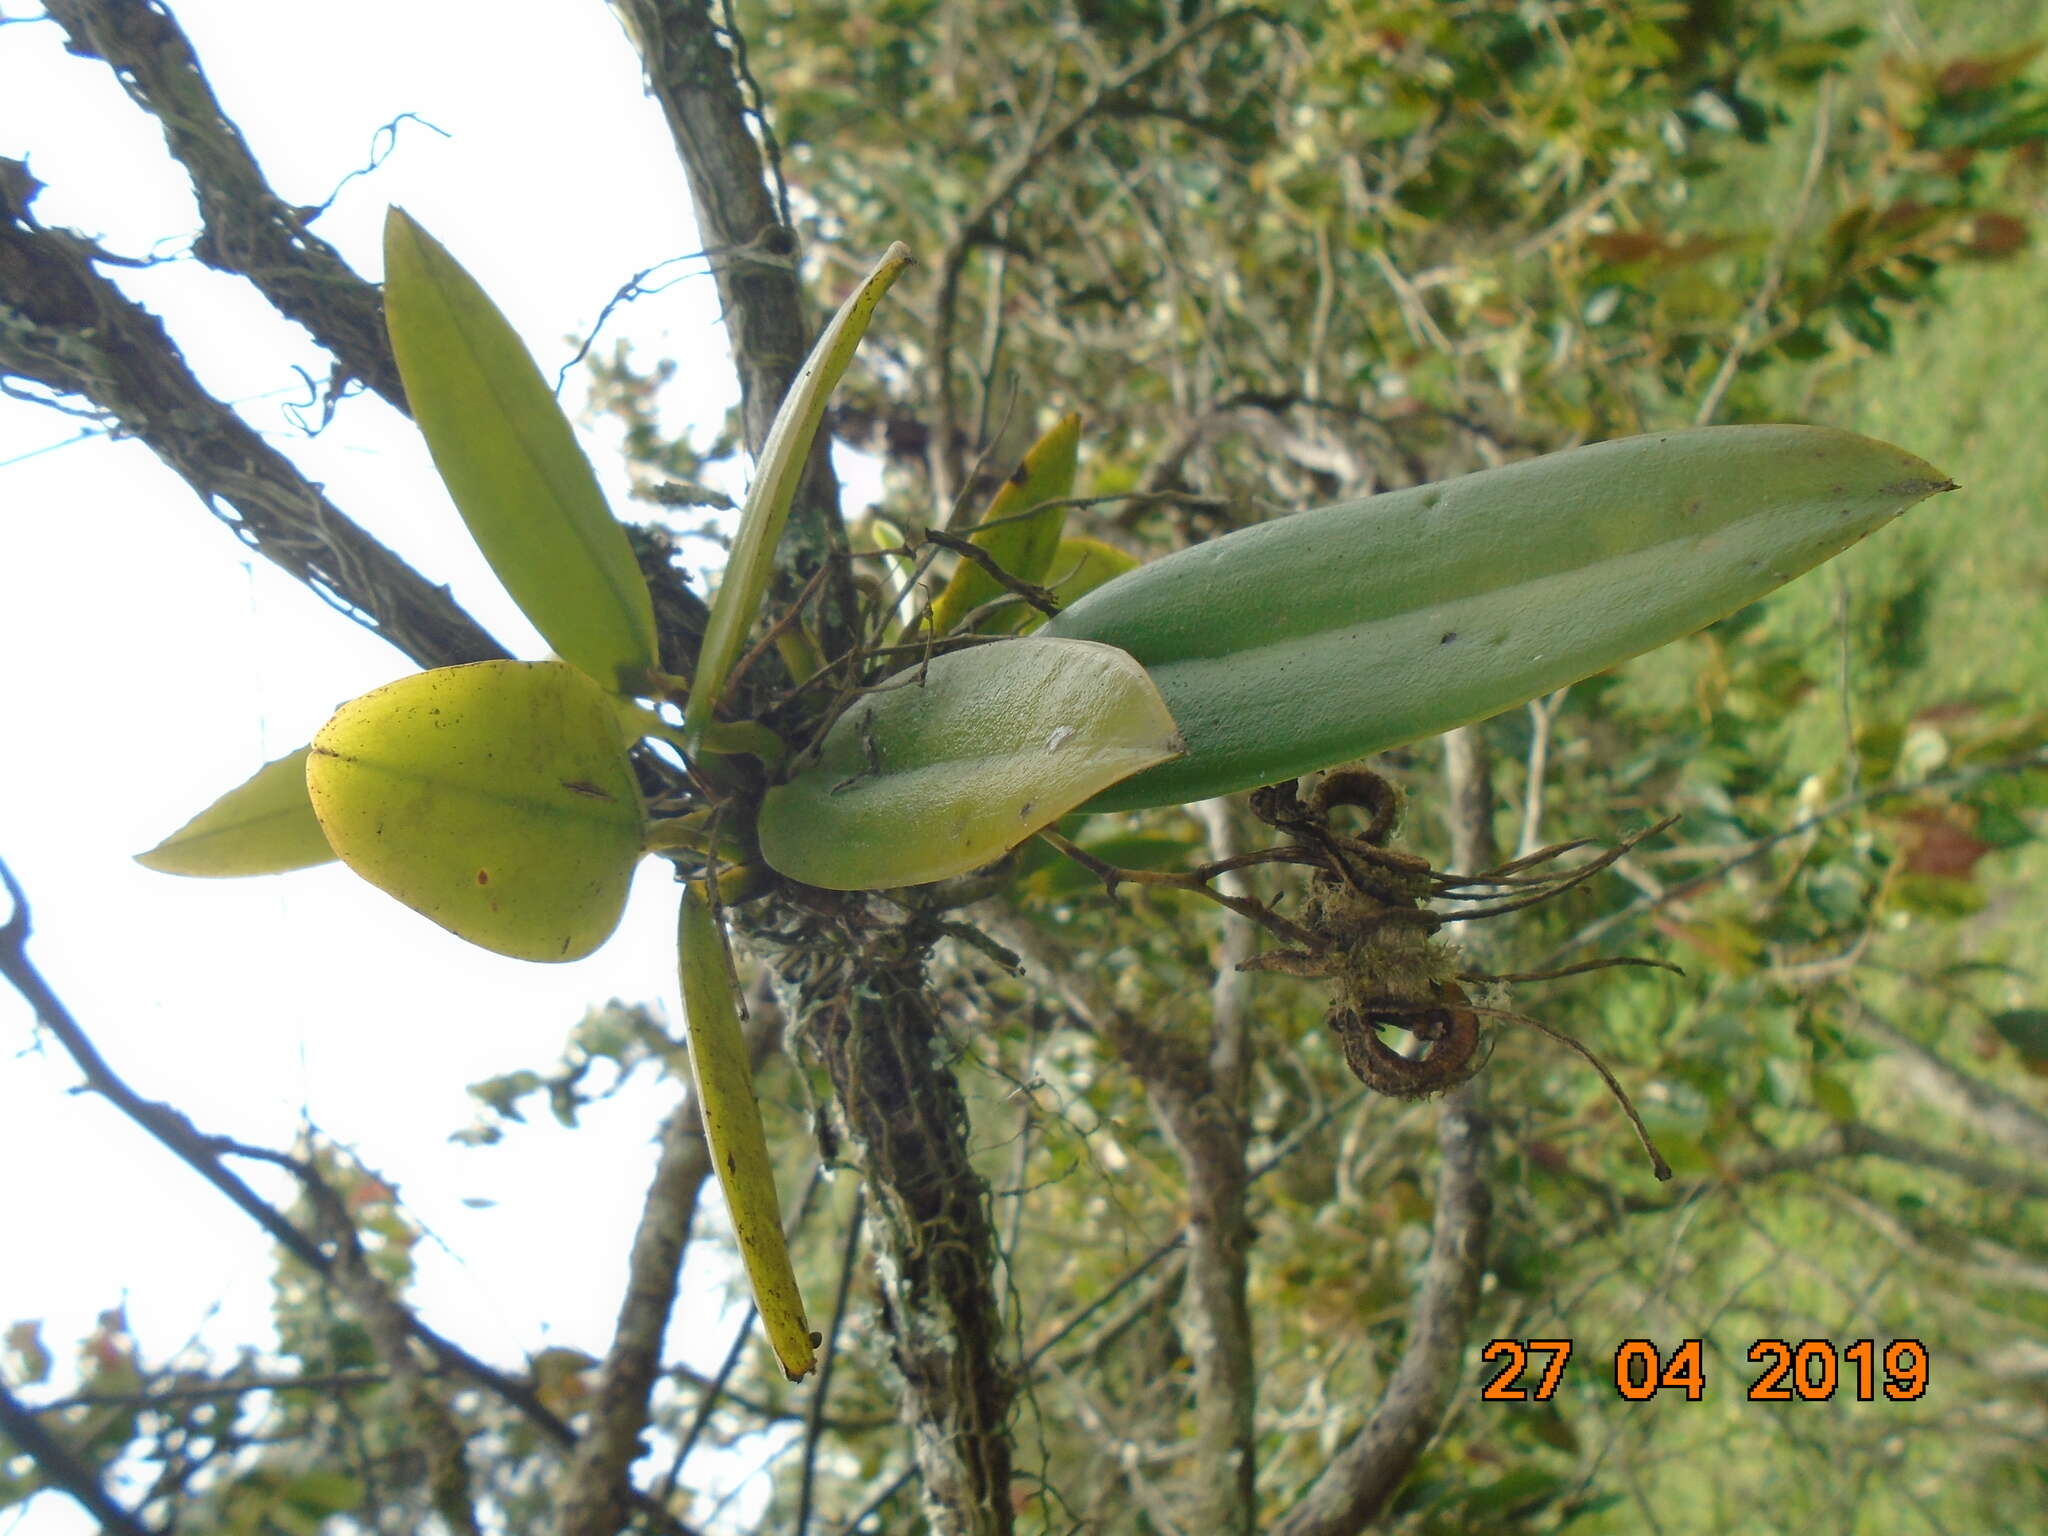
961,761
1020,540
1324,636
734,1134
495,798
775,479
263,826
512,464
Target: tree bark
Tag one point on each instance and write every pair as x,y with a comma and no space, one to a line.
862,1007
754,258
596,1495
67,328
250,230
1359,1482
1206,1129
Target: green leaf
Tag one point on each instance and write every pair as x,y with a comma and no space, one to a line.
321,1493
1321,637
263,826
955,763
495,798
1022,541
1831,1096
2026,1031
775,480
1520,1489
511,463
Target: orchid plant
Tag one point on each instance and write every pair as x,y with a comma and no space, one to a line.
1051,675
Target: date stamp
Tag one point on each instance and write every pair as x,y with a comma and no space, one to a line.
1811,1370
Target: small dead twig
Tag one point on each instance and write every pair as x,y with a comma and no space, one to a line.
1195,880
1575,970
1038,597
782,622
1657,1164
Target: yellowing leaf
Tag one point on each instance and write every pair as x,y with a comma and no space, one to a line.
263,826
732,1130
774,488
494,798
1078,567
511,462
1022,541
956,764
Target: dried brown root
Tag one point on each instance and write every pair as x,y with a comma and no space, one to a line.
1657,1164
1448,1024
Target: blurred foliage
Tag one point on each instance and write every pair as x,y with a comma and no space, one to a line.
1282,255
1384,241
617,1036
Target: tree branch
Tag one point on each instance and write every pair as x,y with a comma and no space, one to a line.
1207,1133
754,260
69,329
1847,1140
202,1154
202,1390
596,1494
860,1003
250,230
54,1459
1197,1094
1355,1486
389,1326
2006,1118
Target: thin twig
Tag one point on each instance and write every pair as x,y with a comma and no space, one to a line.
429,1422
1542,718
1789,230
814,1420
1657,1163
203,1390
1038,597
1043,137
713,1387
202,1154
783,621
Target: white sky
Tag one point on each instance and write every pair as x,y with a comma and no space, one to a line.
154,662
